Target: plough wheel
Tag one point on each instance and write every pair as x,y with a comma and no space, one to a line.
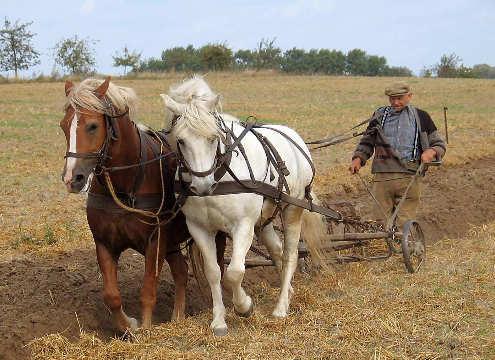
413,246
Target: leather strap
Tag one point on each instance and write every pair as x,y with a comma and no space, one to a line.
263,189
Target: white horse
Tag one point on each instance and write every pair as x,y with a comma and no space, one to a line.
193,124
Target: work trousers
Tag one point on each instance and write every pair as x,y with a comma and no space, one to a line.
388,189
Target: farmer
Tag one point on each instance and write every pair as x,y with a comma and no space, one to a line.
401,136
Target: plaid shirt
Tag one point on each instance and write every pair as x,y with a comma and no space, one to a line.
386,158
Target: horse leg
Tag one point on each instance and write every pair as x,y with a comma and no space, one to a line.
178,268
206,244
221,242
111,293
151,275
242,238
292,218
269,237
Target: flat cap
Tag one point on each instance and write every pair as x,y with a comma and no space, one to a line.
398,88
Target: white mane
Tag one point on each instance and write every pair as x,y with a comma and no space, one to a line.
200,102
122,98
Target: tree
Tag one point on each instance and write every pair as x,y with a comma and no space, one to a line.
267,56
356,62
398,71
16,50
244,59
448,66
333,61
376,65
427,72
182,59
484,71
322,61
294,61
126,59
152,64
216,56
75,55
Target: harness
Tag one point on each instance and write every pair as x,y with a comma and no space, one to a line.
221,165
102,156
160,208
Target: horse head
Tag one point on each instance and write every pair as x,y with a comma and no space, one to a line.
90,127
194,133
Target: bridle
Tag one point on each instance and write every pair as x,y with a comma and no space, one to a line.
221,162
102,154
217,162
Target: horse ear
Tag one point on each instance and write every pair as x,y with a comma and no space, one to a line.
102,89
173,105
69,85
212,104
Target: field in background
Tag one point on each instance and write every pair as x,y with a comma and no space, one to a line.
38,218
35,209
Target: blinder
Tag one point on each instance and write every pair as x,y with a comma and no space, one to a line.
114,129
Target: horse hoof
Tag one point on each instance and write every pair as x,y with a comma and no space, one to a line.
279,313
220,331
133,324
248,313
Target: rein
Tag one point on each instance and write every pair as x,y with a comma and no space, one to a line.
337,139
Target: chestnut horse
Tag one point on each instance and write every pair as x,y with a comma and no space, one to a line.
129,175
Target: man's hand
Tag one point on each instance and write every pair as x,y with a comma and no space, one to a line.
355,165
428,156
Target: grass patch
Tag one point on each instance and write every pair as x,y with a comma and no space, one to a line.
27,239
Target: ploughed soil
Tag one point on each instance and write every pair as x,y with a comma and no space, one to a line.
62,293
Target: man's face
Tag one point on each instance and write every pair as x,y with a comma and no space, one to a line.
399,102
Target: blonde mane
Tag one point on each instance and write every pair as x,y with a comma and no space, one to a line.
121,98
200,105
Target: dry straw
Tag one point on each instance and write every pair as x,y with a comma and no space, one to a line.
363,311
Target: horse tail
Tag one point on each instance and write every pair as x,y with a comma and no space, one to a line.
314,232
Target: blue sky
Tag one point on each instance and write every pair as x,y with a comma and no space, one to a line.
408,33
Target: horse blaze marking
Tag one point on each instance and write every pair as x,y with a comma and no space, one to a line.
71,161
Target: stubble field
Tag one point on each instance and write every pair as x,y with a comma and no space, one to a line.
50,281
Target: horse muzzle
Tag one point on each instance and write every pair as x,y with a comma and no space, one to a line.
75,176
75,183
203,188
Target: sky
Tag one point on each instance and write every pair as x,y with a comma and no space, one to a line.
413,33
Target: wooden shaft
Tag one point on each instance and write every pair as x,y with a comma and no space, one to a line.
445,120
357,236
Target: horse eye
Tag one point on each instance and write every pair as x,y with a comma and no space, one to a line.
91,127
180,141
212,140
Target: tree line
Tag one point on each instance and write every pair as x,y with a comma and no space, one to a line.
77,56
267,56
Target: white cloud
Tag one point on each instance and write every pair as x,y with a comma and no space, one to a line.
87,7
